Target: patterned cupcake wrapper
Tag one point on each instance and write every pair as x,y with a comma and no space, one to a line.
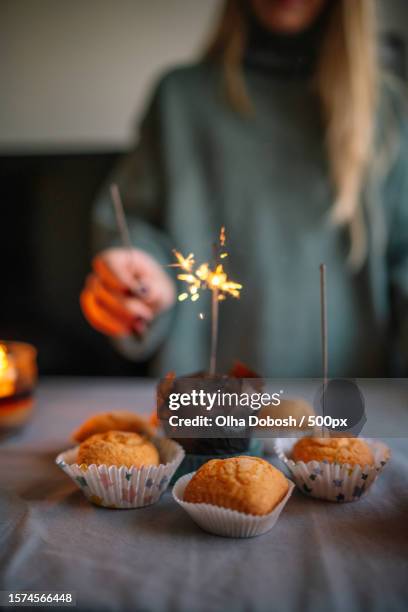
122,487
334,482
225,522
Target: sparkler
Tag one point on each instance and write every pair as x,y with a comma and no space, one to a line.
123,228
203,276
323,322
139,290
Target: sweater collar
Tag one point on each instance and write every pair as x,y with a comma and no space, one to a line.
284,55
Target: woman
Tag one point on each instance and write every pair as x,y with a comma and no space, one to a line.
286,134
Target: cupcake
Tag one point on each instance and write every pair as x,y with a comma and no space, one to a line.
235,497
246,484
213,446
335,469
222,443
297,408
121,469
118,448
122,420
352,451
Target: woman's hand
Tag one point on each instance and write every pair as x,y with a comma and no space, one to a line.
125,292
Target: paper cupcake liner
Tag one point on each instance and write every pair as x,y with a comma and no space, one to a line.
122,487
336,482
225,522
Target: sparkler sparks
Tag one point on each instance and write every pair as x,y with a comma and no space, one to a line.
204,277
186,263
223,237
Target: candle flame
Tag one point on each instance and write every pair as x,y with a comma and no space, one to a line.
8,374
4,362
204,277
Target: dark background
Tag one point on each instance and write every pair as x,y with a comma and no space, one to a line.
45,250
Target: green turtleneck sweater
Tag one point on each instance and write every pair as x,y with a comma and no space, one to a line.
199,165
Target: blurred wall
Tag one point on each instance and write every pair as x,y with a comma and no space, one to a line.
74,74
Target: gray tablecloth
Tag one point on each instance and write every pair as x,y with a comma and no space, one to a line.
320,556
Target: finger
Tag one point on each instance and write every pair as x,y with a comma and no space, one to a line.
109,277
122,269
157,292
129,309
110,302
99,318
150,292
140,326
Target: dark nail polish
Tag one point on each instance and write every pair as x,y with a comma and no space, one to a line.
139,325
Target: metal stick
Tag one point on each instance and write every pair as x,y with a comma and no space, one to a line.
214,331
120,216
139,289
323,319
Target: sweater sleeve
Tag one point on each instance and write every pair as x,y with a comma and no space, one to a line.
140,176
398,251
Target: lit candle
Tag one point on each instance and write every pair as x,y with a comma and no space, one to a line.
8,373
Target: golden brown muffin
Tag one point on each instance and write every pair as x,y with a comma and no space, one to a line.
333,450
118,448
296,407
246,484
122,420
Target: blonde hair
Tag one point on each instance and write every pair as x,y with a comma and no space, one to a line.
346,80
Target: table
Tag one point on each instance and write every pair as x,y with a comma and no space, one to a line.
320,556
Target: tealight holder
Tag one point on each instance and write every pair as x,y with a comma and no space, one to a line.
18,378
